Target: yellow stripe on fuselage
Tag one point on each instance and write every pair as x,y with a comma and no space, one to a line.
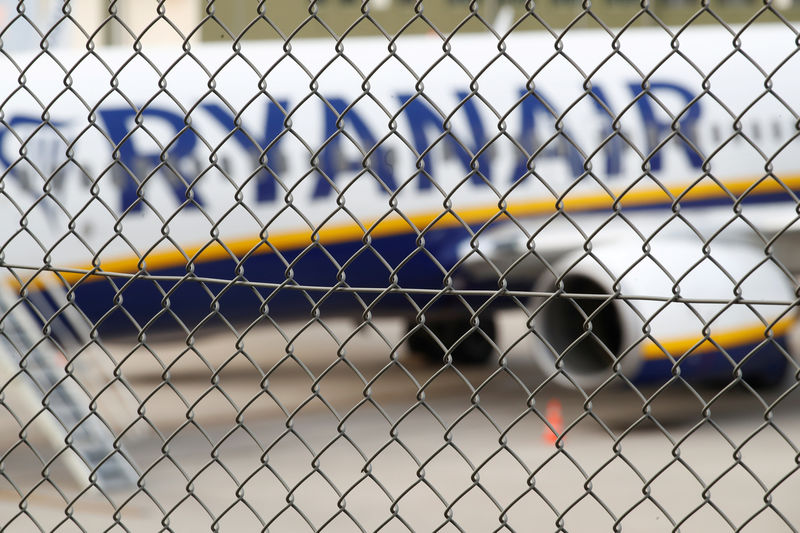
727,340
393,224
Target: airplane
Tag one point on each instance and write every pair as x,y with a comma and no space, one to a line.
633,193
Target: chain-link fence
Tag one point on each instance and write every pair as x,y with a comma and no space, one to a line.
399,266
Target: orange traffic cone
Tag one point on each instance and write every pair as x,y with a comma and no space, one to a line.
552,413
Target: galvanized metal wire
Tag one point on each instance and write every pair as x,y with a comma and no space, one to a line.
323,423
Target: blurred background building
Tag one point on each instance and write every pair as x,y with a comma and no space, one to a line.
24,23
393,15
123,21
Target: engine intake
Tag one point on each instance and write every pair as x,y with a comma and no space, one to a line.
672,311
588,345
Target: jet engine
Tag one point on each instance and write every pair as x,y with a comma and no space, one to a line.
670,309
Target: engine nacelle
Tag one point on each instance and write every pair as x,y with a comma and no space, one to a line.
673,310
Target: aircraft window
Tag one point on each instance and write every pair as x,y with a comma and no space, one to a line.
716,135
756,134
776,129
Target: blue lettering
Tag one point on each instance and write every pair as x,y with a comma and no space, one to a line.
658,132
23,120
16,121
422,118
558,146
269,156
137,167
613,148
479,136
331,160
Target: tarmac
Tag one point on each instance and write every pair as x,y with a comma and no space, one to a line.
372,439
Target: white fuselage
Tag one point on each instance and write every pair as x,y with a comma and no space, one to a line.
523,128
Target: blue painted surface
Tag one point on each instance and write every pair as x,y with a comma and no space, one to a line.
766,363
191,301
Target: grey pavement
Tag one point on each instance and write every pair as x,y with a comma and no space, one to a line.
314,448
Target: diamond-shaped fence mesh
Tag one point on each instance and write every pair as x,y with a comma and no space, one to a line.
399,266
